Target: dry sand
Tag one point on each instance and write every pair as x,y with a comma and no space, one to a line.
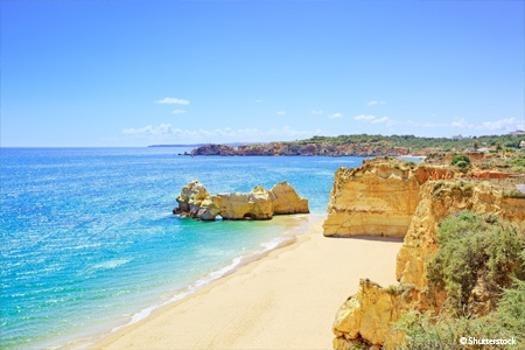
286,300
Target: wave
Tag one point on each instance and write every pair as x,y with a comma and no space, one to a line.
227,270
109,264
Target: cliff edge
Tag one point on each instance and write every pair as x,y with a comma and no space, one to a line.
389,198
379,198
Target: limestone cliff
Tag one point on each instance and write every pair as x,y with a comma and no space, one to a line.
377,199
258,204
253,205
438,200
367,317
285,200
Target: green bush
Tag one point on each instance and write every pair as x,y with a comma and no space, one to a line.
473,247
424,331
462,164
461,161
517,163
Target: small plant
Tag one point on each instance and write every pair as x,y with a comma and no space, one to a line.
462,161
474,248
426,331
517,163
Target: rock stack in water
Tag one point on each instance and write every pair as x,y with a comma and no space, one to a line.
259,204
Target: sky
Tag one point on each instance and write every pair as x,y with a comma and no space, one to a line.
134,73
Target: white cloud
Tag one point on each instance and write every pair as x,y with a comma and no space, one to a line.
375,103
372,119
166,132
336,115
173,101
317,112
498,125
178,111
161,129
280,112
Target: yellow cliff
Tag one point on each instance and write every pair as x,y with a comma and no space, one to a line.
387,198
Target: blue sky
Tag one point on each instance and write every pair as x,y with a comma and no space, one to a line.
132,73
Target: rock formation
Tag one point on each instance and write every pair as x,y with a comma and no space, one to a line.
479,149
252,205
285,200
367,316
377,199
195,201
438,200
301,149
434,193
259,204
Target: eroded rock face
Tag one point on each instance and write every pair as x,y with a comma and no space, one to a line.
213,150
259,204
252,205
195,201
285,200
377,199
367,317
438,200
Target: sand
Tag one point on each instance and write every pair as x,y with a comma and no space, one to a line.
286,300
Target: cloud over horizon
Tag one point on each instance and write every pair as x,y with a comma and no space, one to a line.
503,124
166,132
173,101
372,119
375,103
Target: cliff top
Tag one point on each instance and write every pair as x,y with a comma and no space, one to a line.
369,145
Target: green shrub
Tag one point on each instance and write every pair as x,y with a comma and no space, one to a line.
424,331
517,163
510,315
461,161
473,247
462,164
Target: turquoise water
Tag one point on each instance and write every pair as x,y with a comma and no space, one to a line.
89,241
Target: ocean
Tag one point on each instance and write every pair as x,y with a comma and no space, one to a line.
89,243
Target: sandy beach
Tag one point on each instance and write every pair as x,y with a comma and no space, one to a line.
286,300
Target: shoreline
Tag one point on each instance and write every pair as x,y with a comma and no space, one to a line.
293,227
229,311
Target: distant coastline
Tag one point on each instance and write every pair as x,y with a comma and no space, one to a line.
232,144
364,145
178,145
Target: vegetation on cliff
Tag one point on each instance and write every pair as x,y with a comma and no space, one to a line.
462,161
475,251
480,264
517,162
453,265
367,145
506,322
417,142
